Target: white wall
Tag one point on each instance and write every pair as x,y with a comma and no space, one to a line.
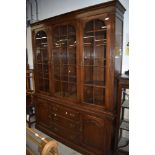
50,8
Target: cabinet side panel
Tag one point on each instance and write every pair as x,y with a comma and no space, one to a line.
118,45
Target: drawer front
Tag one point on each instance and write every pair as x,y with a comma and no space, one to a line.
60,131
72,125
65,112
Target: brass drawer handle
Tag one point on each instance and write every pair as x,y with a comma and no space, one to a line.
66,112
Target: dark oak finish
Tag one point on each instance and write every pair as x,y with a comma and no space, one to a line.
77,57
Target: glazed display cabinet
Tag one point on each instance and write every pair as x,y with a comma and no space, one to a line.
77,58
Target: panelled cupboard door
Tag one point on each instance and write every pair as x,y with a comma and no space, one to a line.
64,60
41,59
94,134
42,112
95,60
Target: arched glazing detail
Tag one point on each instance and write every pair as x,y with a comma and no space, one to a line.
94,61
42,61
64,61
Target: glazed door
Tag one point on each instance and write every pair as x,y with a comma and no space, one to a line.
64,61
97,134
41,58
94,62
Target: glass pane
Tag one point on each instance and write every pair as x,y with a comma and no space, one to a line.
46,85
72,73
63,56
88,94
63,30
98,76
57,88
57,72
89,39
88,75
72,55
56,56
99,94
38,56
41,84
88,55
45,68
45,55
65,89
72,41
71,30
99,24
64,73
63,41
89,26
40,74
72,90
99,58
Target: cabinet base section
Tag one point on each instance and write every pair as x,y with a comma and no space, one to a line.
68,143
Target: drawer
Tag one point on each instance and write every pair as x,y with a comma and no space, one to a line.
64,133
66,123
65,112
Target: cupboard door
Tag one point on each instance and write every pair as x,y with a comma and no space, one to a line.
42,112
64,61
41,61
93,133
94,62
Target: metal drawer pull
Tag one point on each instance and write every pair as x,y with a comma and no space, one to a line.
66,113
55,114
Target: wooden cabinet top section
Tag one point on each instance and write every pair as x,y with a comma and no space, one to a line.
113,6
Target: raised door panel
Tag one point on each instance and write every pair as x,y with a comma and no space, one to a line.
96,134
93,133
42,112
